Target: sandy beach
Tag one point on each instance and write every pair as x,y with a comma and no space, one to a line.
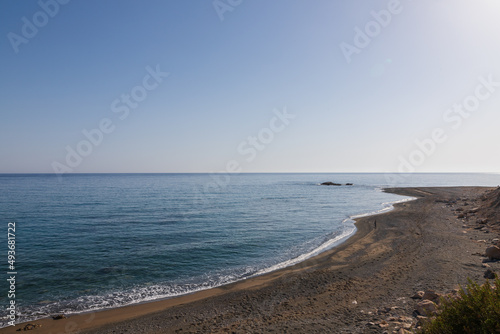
420,245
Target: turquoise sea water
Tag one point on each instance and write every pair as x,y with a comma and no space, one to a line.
94,241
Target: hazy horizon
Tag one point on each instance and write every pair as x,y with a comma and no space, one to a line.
244,173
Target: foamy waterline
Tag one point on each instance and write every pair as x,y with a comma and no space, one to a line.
157,292
348,231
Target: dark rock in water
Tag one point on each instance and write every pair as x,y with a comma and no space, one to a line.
335,184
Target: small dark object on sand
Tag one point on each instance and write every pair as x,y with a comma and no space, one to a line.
28,327
59,317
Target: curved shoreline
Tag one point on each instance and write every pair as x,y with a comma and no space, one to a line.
349,229
331,243
95,319
370,240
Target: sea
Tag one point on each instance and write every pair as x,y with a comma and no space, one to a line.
88,242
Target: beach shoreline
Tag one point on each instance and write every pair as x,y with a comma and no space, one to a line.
326,292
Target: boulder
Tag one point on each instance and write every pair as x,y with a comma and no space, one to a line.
330,184
418,295
426,307
493,252
431,295
349,184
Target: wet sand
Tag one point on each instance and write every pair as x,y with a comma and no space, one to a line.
417,246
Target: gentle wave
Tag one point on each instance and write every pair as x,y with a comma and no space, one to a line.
323,247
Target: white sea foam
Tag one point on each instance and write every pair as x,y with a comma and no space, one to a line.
346,233
349,230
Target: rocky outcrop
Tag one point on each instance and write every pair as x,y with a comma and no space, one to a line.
490,208
335,184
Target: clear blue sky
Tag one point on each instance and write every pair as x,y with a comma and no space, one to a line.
228,79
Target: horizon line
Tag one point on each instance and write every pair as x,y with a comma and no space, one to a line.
236,173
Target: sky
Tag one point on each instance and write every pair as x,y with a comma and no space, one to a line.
249,86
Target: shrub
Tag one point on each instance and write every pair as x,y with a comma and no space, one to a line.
476,310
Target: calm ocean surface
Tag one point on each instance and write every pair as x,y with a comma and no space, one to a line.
95,241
